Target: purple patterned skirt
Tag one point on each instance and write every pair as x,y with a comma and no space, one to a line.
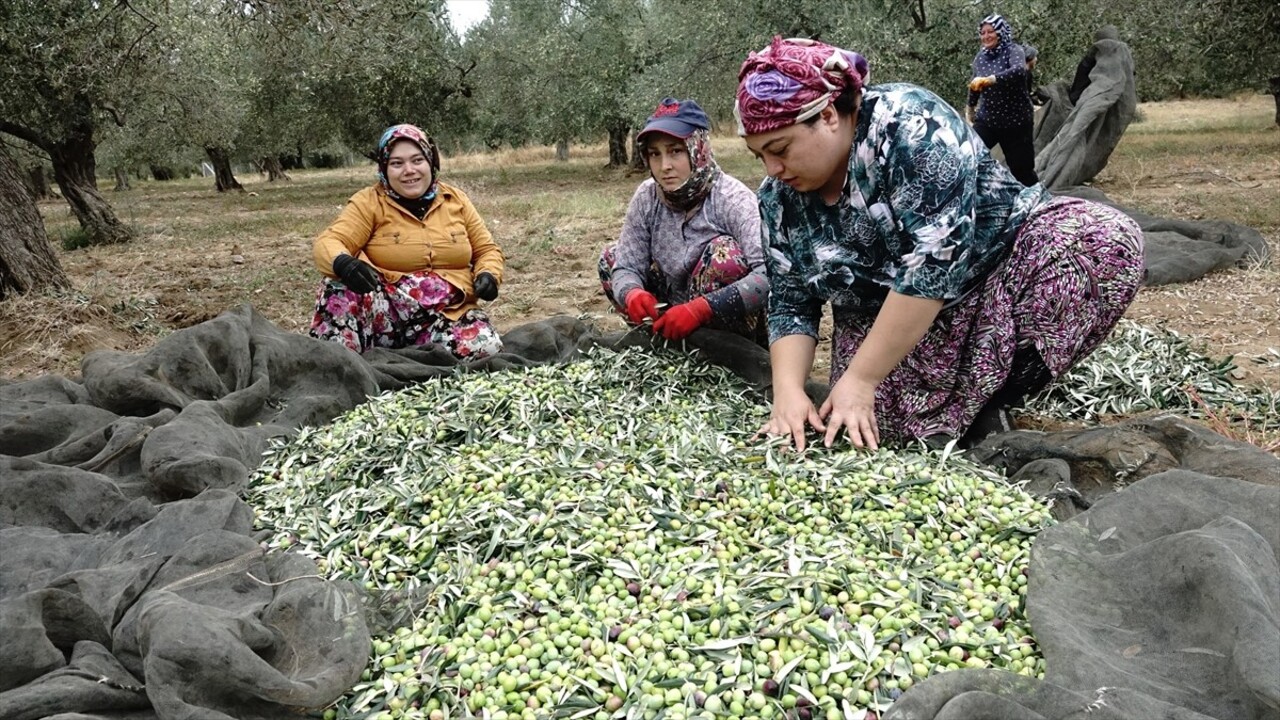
1073,271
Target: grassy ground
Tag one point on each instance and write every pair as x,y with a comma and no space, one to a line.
201,252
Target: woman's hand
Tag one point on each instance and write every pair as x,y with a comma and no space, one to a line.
486,287
641,305
979,84
359,277
852,405
791,412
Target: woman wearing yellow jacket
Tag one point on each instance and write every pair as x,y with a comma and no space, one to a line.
407,259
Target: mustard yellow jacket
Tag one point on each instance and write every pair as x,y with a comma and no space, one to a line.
451,241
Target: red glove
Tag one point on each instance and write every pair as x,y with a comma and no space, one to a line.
641,304
677,322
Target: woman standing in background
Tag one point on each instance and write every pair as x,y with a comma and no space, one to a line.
1000,100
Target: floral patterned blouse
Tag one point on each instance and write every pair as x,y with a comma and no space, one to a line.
926,211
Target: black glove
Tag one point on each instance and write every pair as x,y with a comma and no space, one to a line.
486,287
357,275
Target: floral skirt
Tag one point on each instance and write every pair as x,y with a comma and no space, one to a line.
1073,271
722,263
402,314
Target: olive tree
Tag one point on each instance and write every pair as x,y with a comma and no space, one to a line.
367,65
519,50
559,70
66,67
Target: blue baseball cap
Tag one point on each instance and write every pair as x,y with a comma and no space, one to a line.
680,118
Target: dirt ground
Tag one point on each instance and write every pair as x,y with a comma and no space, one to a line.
200,253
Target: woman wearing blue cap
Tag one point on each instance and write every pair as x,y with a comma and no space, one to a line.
689,254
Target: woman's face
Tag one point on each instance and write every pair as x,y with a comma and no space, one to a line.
808,157
989,37
408,170
669,160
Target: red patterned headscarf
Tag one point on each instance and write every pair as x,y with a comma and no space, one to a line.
792,80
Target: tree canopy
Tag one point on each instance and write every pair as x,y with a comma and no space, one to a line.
151,83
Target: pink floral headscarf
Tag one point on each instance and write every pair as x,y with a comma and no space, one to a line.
792,80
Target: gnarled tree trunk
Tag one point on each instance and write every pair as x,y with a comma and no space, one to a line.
293,161
38,183
122,180
618,144
223,178
74,169
162,173
562,150
27,261
1275,91
275,171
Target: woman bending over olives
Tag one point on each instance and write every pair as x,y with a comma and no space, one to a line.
955,291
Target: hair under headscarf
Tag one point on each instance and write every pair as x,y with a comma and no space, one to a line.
414,134
793,80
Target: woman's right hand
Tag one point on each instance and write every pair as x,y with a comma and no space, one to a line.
359,276
790,414
641,305
979,84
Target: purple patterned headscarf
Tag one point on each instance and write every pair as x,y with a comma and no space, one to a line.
423,141
792,80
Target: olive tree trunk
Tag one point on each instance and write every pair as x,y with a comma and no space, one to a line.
274,170
75,171
293,161
223,178
38,183
562,150
618,145
27,260
122,180
1275,91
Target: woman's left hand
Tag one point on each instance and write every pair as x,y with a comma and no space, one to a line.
852,405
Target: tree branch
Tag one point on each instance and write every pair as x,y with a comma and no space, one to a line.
25,133
918,14
129,6
24,149
115,114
